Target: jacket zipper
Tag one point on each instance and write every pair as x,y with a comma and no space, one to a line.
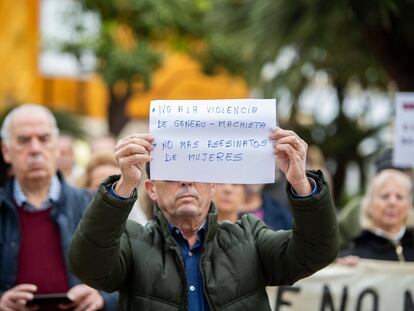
399,251
182,272
210,305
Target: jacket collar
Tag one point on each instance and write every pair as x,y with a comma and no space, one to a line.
367,236
55,189
211,224
6,195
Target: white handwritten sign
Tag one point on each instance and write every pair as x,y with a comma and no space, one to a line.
404,131
223,141
377,285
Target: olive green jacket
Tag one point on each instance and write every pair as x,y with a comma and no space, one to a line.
238,260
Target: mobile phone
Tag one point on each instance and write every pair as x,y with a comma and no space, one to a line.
49,299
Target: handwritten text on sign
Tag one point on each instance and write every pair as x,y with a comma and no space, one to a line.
224,141
404,130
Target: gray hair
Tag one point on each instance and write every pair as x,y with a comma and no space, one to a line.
377,182
5,131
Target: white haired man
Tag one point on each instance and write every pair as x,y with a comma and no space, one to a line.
38,215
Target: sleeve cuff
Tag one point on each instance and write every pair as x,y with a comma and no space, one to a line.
116,195
315,189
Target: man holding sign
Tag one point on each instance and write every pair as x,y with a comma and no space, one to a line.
185,259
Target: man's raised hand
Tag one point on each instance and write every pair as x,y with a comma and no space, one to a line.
290,151
132,153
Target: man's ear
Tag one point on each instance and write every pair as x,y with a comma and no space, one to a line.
57,151
6,153
150,189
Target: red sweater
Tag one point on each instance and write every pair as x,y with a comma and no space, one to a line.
40,259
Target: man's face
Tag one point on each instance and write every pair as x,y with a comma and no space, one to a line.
32,150
179,199
229,198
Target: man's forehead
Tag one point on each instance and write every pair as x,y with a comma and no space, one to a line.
29,131
26,124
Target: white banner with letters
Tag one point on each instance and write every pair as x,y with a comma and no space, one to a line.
372,285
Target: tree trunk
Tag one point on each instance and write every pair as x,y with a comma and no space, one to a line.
342,156
80,96
117,116
339,178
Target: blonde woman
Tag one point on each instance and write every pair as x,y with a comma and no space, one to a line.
386,211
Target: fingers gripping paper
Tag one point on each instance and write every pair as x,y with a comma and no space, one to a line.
223,141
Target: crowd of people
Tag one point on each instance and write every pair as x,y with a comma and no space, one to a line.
205,246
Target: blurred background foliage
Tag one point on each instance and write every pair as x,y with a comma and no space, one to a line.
129,47
355,44
282,48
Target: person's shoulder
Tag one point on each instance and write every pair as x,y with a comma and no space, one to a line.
409,231
358,245
72,191
250,222
5,193
134,228
246,225
147,233
230,234
365,235
408,236
73,198
368,239
2,195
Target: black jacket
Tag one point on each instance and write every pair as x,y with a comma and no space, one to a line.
237,261
371,246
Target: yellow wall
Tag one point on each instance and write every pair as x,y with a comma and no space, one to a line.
179,78
19,50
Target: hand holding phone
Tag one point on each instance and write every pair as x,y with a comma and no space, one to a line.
49,299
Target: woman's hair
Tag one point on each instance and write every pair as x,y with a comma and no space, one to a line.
377,182
108,158
98,159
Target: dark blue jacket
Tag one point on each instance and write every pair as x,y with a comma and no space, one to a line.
276,216
66,213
